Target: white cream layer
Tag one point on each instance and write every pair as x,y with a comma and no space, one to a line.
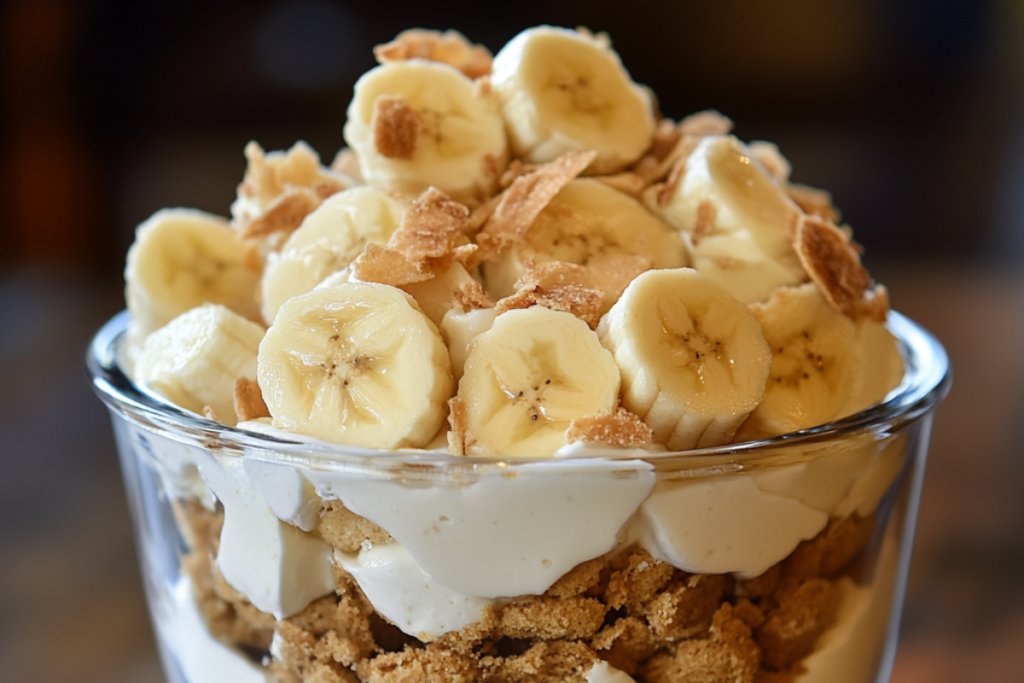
401,591
202,658
603,672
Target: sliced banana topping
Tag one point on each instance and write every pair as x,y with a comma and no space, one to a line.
883,365
565,90
182,258
196,360
817,364
693,358
357,364
416,123
738,221
529,377
328,240
593,225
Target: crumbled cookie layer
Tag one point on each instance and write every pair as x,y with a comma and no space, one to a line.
641,615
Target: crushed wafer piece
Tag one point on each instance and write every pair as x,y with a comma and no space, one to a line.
635,579
450,47
547,618
431,227
749,613
580,580
559,286
284,214
396,127
526,197
728,655
555,662
686,607
381,264
768,154
761,586
705,123
459,438
515,169
806,608
249,404
347,163
706,215
833,265
480,215
471,297
832,550
619,428
210,414
813,201
625,644
347,531
415,666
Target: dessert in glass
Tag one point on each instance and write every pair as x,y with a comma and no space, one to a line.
529,384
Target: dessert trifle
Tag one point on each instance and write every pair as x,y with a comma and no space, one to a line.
530,384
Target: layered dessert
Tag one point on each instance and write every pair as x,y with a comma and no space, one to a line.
520,265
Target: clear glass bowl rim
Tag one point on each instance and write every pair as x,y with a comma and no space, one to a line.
925,383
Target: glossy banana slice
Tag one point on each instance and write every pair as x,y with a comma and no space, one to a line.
356,364
693,358
565,90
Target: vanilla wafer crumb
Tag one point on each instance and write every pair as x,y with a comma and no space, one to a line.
636,577
559,286
806,608
686,607
625,643
618,428
249,403
347,531
396,127
450,47
552,618
727,655
554,662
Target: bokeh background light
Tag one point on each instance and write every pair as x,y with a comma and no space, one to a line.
911,112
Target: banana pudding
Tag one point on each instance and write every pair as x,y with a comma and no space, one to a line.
519,389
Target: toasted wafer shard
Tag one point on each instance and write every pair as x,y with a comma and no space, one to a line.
396,127
559,286
728,654
768,154
459,438
813,201
450,47
431,227
472,297
834,266
284,214
621,428
526,197
249,404
387,266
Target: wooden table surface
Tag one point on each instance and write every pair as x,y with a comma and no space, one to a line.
71,606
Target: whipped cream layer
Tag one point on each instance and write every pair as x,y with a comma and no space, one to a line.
507,531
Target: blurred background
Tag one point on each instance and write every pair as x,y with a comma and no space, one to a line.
910,111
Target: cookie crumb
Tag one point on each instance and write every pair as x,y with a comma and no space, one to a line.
431,228
625,644
636,577
833,265
559,286
347,531
547,618
686,608
813,201
728,655
249,403
450,47
620,428
806,608
396,127
459,438
384,265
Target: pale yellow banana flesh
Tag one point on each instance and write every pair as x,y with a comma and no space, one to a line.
693,359
531,374
357,364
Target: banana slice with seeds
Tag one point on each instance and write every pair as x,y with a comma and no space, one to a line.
356,364
528,377
817,365
693,358
565,90
415,123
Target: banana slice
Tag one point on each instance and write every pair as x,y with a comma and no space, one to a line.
590,224
738,221
817,365
883,365
529,376
459,329
356,364
693,358
196,359
181,259
415,123
565,90
328,240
